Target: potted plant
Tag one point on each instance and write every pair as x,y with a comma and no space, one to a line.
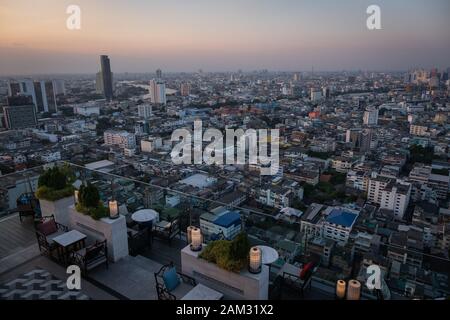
91,217
89,202
229,255
55,192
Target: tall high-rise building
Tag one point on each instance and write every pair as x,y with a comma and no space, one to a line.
371,116
43,92
106,77
157,91
145,111
20,117
185,89
159,74
365,140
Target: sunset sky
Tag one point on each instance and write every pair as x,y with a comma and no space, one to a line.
185,35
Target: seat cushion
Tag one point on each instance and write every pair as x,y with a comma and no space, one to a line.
53,235
171,279
48,227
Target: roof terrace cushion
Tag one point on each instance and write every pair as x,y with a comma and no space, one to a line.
47,227
171,280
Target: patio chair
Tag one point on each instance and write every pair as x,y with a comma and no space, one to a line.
172,285
46,230
28,205
91,257
301,280
138,240
167,230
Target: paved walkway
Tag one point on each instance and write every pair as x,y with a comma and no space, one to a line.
131,277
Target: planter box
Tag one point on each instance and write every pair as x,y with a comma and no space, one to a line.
113,230
57,208
236,286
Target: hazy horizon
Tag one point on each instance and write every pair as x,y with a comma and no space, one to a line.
222,36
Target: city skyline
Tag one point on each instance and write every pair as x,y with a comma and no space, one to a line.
215,36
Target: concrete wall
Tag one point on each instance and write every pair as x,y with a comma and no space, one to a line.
58,208
113,230
240,286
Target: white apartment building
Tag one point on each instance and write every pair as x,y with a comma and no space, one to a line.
358,180
389,194
223,222
145,111
123,139
341,164
371,116
376,185
437,182
418,130
395,197
274,196
339,223
151,144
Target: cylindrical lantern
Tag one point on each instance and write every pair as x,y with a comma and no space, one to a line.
196,239
189,234
113,209
354,290
255,257
340,289
76,194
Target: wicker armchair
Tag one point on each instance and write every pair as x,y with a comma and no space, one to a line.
91,257
167,230
185,285
46,230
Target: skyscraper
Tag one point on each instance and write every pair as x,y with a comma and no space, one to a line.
43,93
157,91
159,74
106,77
185,89
366,140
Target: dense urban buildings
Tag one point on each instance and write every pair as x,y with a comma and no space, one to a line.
90,177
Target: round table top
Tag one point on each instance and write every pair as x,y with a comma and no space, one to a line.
144,215
268,254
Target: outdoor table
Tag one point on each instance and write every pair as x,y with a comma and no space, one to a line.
268,255
202,292
145,216
67,241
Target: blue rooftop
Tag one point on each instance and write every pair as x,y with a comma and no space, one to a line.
228,219
342,218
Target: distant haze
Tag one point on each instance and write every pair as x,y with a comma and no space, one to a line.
186,35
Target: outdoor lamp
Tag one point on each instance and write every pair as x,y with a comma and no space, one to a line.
189,234
196,239
75,194
340,289
113,209
354,290
255,258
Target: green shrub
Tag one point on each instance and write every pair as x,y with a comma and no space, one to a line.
228,255
88,196
96,213
54,184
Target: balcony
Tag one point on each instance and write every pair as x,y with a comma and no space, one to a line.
130,277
